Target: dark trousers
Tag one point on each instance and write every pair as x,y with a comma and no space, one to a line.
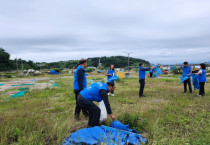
142,84
94,111
150,74
78,108
202,91
188,81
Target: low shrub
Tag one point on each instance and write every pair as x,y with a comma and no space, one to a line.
134,121
8,75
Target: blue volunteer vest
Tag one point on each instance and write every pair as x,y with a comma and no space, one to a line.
110,72
186,71
91,93
202,77
141,74
76,83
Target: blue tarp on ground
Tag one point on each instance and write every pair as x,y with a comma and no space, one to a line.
26,88
18,94
112,79
2,84
27,84
15,85
117,134
53,72
155,75
55,85
183,79
158,70
195,80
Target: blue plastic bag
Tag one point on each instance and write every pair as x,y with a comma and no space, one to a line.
119,125
195,80
155,75
112,79
158,70
183,79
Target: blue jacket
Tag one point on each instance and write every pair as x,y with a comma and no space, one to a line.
110,72
202,77
142,72
91,93
186,71
76,81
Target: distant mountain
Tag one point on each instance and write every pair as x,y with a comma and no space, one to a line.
118,61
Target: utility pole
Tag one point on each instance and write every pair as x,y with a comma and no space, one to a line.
99,63
22,64
16,64
128,53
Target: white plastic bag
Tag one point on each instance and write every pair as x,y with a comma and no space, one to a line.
103,116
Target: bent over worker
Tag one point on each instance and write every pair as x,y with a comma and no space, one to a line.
80,83
142,70
96,92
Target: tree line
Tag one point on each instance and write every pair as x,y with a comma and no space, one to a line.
6,64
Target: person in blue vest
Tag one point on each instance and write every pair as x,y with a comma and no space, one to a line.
110,74
142,70
187,71
80,83
202,79
96,92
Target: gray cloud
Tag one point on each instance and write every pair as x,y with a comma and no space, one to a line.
159,31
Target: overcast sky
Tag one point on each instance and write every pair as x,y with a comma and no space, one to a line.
160,31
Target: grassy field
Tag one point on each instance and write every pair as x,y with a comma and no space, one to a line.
165,116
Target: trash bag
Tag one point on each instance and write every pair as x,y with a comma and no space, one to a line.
183,79
195,80
158,70
112,79
155,75
103,116
119,125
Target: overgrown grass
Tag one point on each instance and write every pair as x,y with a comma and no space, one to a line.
165,116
